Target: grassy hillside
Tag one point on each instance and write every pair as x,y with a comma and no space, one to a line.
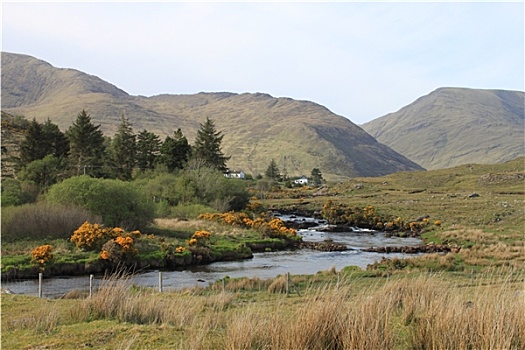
299,135
453,126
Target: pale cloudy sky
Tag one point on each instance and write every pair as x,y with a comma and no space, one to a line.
360,60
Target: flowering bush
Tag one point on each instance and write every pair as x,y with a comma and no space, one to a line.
42,255
199,238
92,237
201,234
271,227
119,249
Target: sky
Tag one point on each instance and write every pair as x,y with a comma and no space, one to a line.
361,60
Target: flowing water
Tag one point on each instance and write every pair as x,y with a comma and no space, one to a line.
263,265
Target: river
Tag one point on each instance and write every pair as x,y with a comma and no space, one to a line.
263,265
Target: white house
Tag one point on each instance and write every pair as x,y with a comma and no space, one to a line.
303,180
235,174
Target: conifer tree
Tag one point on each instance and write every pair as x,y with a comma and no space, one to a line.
175,151
42,140
208,146
148,150
31,148
56,142
123,150
86,145
272,171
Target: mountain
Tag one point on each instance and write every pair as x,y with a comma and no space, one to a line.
455,126
299,135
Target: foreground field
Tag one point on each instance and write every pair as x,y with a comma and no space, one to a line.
356,311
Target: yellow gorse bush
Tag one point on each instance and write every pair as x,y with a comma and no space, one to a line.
92,237
121,248
42,255
197,239
201,234
367,217
115,244
272,227
126,243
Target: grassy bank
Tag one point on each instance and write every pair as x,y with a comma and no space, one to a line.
360,310
155,250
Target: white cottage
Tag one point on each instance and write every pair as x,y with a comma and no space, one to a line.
235,174
303,180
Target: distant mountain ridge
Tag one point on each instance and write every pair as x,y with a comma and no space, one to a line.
455,126
299,135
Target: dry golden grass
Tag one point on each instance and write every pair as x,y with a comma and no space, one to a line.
196,225
402,312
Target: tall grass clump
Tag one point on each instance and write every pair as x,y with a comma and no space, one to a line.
115,299
488,317
43,220
420,313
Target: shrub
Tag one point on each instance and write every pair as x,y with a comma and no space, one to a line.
42,255
119,250
15,192
118,202
43,220
92,237
199,238
196,185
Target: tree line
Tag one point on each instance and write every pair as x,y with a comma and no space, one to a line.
48,155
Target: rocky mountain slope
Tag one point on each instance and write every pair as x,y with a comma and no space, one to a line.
454,126
299,135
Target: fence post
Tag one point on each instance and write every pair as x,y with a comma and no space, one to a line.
287,283
338,279
224,285
40,284
90,285
160,281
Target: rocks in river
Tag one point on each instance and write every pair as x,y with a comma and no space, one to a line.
323,246
429,248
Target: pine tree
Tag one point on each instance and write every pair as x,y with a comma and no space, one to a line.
86,145
175,151
56,142
272,171
208,146
148,150
123,150
31,148
42,140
